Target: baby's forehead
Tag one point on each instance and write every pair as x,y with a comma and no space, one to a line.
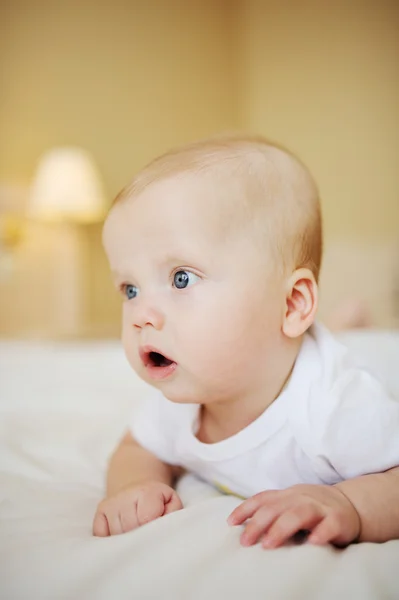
201,199
180,220
221,190
219,204
175,205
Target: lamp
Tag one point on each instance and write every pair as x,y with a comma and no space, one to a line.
66,196
66,188
47,244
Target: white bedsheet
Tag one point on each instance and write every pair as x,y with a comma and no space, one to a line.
62,409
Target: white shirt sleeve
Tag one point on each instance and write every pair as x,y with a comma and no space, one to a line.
154,425
359,431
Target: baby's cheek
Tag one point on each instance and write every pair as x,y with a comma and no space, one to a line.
237,346
130,349
219,351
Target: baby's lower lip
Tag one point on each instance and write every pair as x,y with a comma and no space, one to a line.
157,373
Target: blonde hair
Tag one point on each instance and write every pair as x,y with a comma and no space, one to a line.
274,185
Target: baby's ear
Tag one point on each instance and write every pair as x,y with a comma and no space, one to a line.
301,303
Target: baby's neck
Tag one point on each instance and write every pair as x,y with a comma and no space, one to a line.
221,420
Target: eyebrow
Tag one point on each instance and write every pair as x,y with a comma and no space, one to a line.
180,259
116,276
167,260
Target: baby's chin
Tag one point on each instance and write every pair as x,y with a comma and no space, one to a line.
182,392
190,395
179,394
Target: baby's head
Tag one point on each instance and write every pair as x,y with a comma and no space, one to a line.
216,248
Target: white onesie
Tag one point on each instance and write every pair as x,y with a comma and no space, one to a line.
333,421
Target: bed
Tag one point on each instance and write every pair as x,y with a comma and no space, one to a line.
63,406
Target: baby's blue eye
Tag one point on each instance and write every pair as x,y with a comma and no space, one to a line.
130,291
183,279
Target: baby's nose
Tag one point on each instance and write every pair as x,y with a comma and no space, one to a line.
147,314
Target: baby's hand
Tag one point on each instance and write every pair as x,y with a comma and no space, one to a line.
134,506
275,516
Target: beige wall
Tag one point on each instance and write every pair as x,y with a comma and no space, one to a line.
322,77
123,79
127,79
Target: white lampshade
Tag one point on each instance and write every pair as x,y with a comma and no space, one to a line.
67,187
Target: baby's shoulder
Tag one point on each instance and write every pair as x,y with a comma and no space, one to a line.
348,423
339,388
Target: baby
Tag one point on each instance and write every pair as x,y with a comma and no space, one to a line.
216,249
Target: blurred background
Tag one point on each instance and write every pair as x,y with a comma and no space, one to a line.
90,90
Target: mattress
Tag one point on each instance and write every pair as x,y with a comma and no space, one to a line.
63,407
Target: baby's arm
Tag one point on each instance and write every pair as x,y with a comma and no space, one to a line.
138,490
131,464
376,499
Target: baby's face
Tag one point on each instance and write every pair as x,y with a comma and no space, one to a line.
201,315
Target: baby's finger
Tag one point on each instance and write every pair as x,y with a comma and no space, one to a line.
327,531
246,510
150,507
260,522
114,522
290,522
100,525
128,518
173,505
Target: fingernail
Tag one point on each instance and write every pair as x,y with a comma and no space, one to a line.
245,541
268,542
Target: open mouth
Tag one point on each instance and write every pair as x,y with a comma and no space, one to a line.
156,359
158,366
